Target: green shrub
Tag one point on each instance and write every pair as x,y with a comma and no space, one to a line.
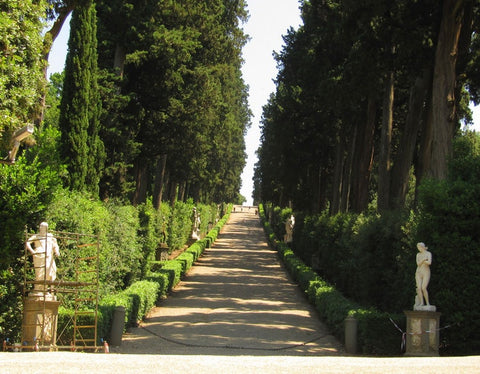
180,226
145,294
117,227
151,232
174,269
163,281
65,327
376,333
186,259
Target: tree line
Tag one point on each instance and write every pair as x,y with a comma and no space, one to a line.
369,96
152,102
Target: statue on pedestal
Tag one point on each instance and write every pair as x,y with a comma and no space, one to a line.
289,224
44,249
422,278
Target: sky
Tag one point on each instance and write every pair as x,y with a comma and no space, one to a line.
269,21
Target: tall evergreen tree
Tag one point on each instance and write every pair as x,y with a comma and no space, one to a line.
361,117
184,110
80,107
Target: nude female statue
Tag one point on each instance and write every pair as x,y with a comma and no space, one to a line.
422,275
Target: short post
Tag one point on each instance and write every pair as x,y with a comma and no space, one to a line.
118,324
351,328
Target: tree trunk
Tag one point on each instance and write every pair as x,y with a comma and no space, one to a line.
443,88
49,38
54,31
385,144
403,162
321,191
363,160
141,183
159,181
119,60
347,172
425,149
181,191
173,193
337,178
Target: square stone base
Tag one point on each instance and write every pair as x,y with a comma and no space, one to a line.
39,321
423,333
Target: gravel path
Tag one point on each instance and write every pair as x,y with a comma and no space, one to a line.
236,300
236,312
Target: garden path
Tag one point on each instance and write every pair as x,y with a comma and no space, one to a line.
237,299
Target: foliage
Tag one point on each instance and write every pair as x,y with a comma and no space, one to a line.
137,300
180,227
152,232
370,258
10,301
174,92
129,236
21,65
448,223
26,189
330,138
376,333
81,146
25,192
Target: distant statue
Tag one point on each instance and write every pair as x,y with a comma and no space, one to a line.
289,224
44,249
196,224
422,278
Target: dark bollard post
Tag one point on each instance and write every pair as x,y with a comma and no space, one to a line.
351,327
118,324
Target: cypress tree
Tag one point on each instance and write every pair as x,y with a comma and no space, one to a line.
81,146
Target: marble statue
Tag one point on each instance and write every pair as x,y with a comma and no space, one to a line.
289,224
196,225
44,248
422,278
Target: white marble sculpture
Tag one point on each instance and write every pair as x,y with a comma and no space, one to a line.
289,224
196,225
44,248
422,278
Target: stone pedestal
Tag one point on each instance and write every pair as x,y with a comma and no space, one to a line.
161,253
39,320
423,333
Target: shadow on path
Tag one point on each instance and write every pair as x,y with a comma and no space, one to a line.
236,300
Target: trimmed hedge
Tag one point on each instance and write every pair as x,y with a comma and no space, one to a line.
376,333
141,296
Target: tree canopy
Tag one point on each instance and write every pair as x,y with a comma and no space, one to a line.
367,102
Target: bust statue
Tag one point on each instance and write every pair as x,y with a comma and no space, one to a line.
422,278
44,248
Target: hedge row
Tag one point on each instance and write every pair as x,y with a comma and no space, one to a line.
142,295
376,333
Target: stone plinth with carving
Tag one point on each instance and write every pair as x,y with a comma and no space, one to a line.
423,333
